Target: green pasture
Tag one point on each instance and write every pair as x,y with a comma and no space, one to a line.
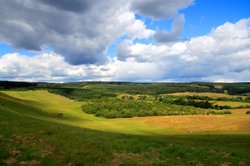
40,128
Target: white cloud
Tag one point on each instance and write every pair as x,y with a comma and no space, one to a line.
44,67
131,70
52,67
231,31
224,52
221,55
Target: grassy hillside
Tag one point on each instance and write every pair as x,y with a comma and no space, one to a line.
40,128
62,110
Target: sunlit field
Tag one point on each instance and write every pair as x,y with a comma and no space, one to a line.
41,128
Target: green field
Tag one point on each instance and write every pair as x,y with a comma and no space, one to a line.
40,128
232,104
209,94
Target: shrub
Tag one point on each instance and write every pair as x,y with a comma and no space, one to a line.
126,108
248,112
227,112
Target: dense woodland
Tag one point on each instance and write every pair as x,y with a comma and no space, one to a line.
137,88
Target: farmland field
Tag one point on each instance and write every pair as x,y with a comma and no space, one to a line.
42,128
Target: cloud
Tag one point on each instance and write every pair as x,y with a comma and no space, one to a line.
159,9
224,52
73,5
164,9
212,57
132,70
51,67
44,67
177,28
149,52
80,31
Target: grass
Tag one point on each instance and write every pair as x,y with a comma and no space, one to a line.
209,94
201,124
37,127
231,104
52,105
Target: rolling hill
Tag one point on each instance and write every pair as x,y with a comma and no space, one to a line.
41,128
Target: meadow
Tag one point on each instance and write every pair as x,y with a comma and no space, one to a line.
42,128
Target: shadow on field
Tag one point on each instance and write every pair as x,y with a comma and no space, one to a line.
29,136
57,144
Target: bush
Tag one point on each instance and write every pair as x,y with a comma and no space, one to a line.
227,112
248,112
127,108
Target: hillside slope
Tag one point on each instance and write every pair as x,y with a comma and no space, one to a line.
39,128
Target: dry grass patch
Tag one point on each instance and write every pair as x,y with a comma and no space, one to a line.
239,123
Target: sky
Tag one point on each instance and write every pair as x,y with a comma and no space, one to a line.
125,40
